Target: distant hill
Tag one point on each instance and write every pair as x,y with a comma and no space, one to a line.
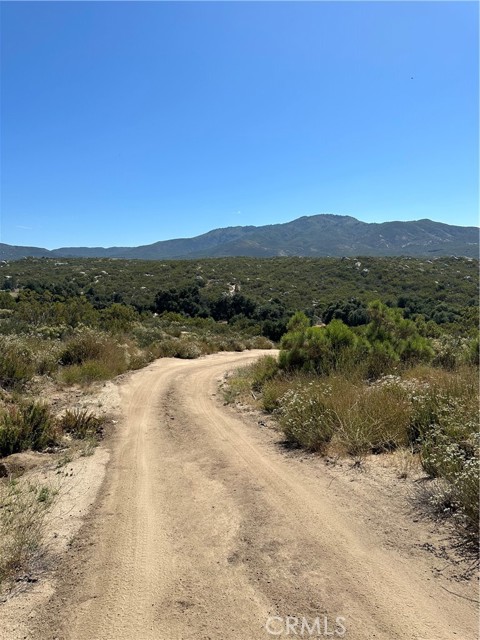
313,236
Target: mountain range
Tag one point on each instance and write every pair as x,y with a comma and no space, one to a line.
313,236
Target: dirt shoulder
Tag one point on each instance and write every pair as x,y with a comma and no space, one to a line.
73,477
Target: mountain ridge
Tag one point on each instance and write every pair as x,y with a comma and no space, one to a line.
320,235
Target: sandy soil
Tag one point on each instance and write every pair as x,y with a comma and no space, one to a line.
75,477
205,528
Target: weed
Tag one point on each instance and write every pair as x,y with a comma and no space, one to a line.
65,459
457,463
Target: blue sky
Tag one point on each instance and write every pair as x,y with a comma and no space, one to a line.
127,123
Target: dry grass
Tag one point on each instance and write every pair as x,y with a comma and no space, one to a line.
370,419
23,510
355,417
272,392
405,462
237,388
427,418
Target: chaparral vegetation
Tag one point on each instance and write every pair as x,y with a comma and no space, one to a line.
386,384
382,356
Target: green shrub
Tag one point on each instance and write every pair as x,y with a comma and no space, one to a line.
86,345
320,349
473,351
262,370
415,349
16,363
117,318
81,424
87,372
298,322
395,338
381,360
29,425
373,350
272,392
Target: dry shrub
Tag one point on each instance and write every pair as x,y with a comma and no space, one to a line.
237,386
264,369
259,342
177,348
358,418
92,356
86,345
307,417
456,464
430,412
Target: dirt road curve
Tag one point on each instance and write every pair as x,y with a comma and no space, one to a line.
205,528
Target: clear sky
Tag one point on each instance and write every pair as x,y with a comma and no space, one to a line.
124,123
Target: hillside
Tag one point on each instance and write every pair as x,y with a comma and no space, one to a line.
310,236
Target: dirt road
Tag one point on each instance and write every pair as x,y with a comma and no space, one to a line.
206,529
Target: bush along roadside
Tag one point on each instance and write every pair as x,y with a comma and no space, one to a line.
84,354
336,390
31,425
